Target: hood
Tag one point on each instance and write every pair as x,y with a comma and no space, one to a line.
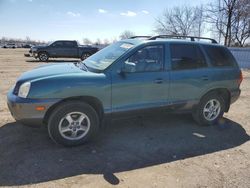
56,69
40,46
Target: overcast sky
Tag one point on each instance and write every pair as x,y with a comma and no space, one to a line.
76,19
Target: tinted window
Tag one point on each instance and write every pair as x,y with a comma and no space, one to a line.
219,56
68,44
58,44
186,56
147,59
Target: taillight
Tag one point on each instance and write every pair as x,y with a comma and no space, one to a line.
240,78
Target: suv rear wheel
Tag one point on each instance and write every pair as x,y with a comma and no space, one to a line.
210,109
73,123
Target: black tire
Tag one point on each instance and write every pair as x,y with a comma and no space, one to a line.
85,56
201,117
57,118
43,56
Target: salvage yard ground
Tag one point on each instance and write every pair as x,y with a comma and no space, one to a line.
158,151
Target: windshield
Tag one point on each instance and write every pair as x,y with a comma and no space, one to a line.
105,57
49,43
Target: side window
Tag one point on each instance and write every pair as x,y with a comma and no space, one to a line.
219,57
186,56
69,44
147,59
58,44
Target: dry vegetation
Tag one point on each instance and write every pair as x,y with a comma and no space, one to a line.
157,151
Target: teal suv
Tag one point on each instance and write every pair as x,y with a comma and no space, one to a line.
130,77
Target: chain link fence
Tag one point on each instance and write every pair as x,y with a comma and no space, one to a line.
242,56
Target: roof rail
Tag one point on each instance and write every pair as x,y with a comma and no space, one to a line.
192,38
140,37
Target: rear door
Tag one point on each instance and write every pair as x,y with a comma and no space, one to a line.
225,70
189,75
70,49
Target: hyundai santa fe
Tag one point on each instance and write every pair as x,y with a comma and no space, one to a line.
132,76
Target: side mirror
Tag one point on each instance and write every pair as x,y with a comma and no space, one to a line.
129,67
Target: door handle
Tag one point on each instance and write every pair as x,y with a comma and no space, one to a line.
158,81
205,78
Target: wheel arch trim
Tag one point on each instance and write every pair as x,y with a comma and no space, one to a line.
223,92
95,103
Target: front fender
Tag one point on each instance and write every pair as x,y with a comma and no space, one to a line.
67,86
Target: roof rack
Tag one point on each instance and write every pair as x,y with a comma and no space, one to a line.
140,37
192,38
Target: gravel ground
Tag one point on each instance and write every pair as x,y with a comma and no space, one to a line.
158,151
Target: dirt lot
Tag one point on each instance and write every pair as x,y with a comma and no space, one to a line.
158,151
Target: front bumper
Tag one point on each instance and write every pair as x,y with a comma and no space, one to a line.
31,54
34,54
24,110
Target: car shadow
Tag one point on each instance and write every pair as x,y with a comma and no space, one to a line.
27,155
54,61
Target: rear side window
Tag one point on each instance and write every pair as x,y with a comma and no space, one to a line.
219,57
69,44
186,56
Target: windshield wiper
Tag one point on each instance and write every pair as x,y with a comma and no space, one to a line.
82,66
85,66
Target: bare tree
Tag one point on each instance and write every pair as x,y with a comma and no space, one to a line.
113,40
27,39
3,40
241,24
198,28
185,20
126,34
20,41
98,41
222,15
106,42
86,41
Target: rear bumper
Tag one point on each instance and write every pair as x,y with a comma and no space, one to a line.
235,94
24,110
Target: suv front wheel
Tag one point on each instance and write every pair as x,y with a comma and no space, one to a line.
73,123
210,109
85,56
43,56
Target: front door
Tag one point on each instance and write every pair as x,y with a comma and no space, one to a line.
56,49
143,82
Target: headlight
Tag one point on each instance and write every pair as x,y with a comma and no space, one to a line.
33,49
24,90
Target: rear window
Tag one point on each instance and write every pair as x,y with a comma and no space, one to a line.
220,57
186,56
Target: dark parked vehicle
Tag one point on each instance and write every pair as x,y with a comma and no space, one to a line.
130,77
62,49
26,46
